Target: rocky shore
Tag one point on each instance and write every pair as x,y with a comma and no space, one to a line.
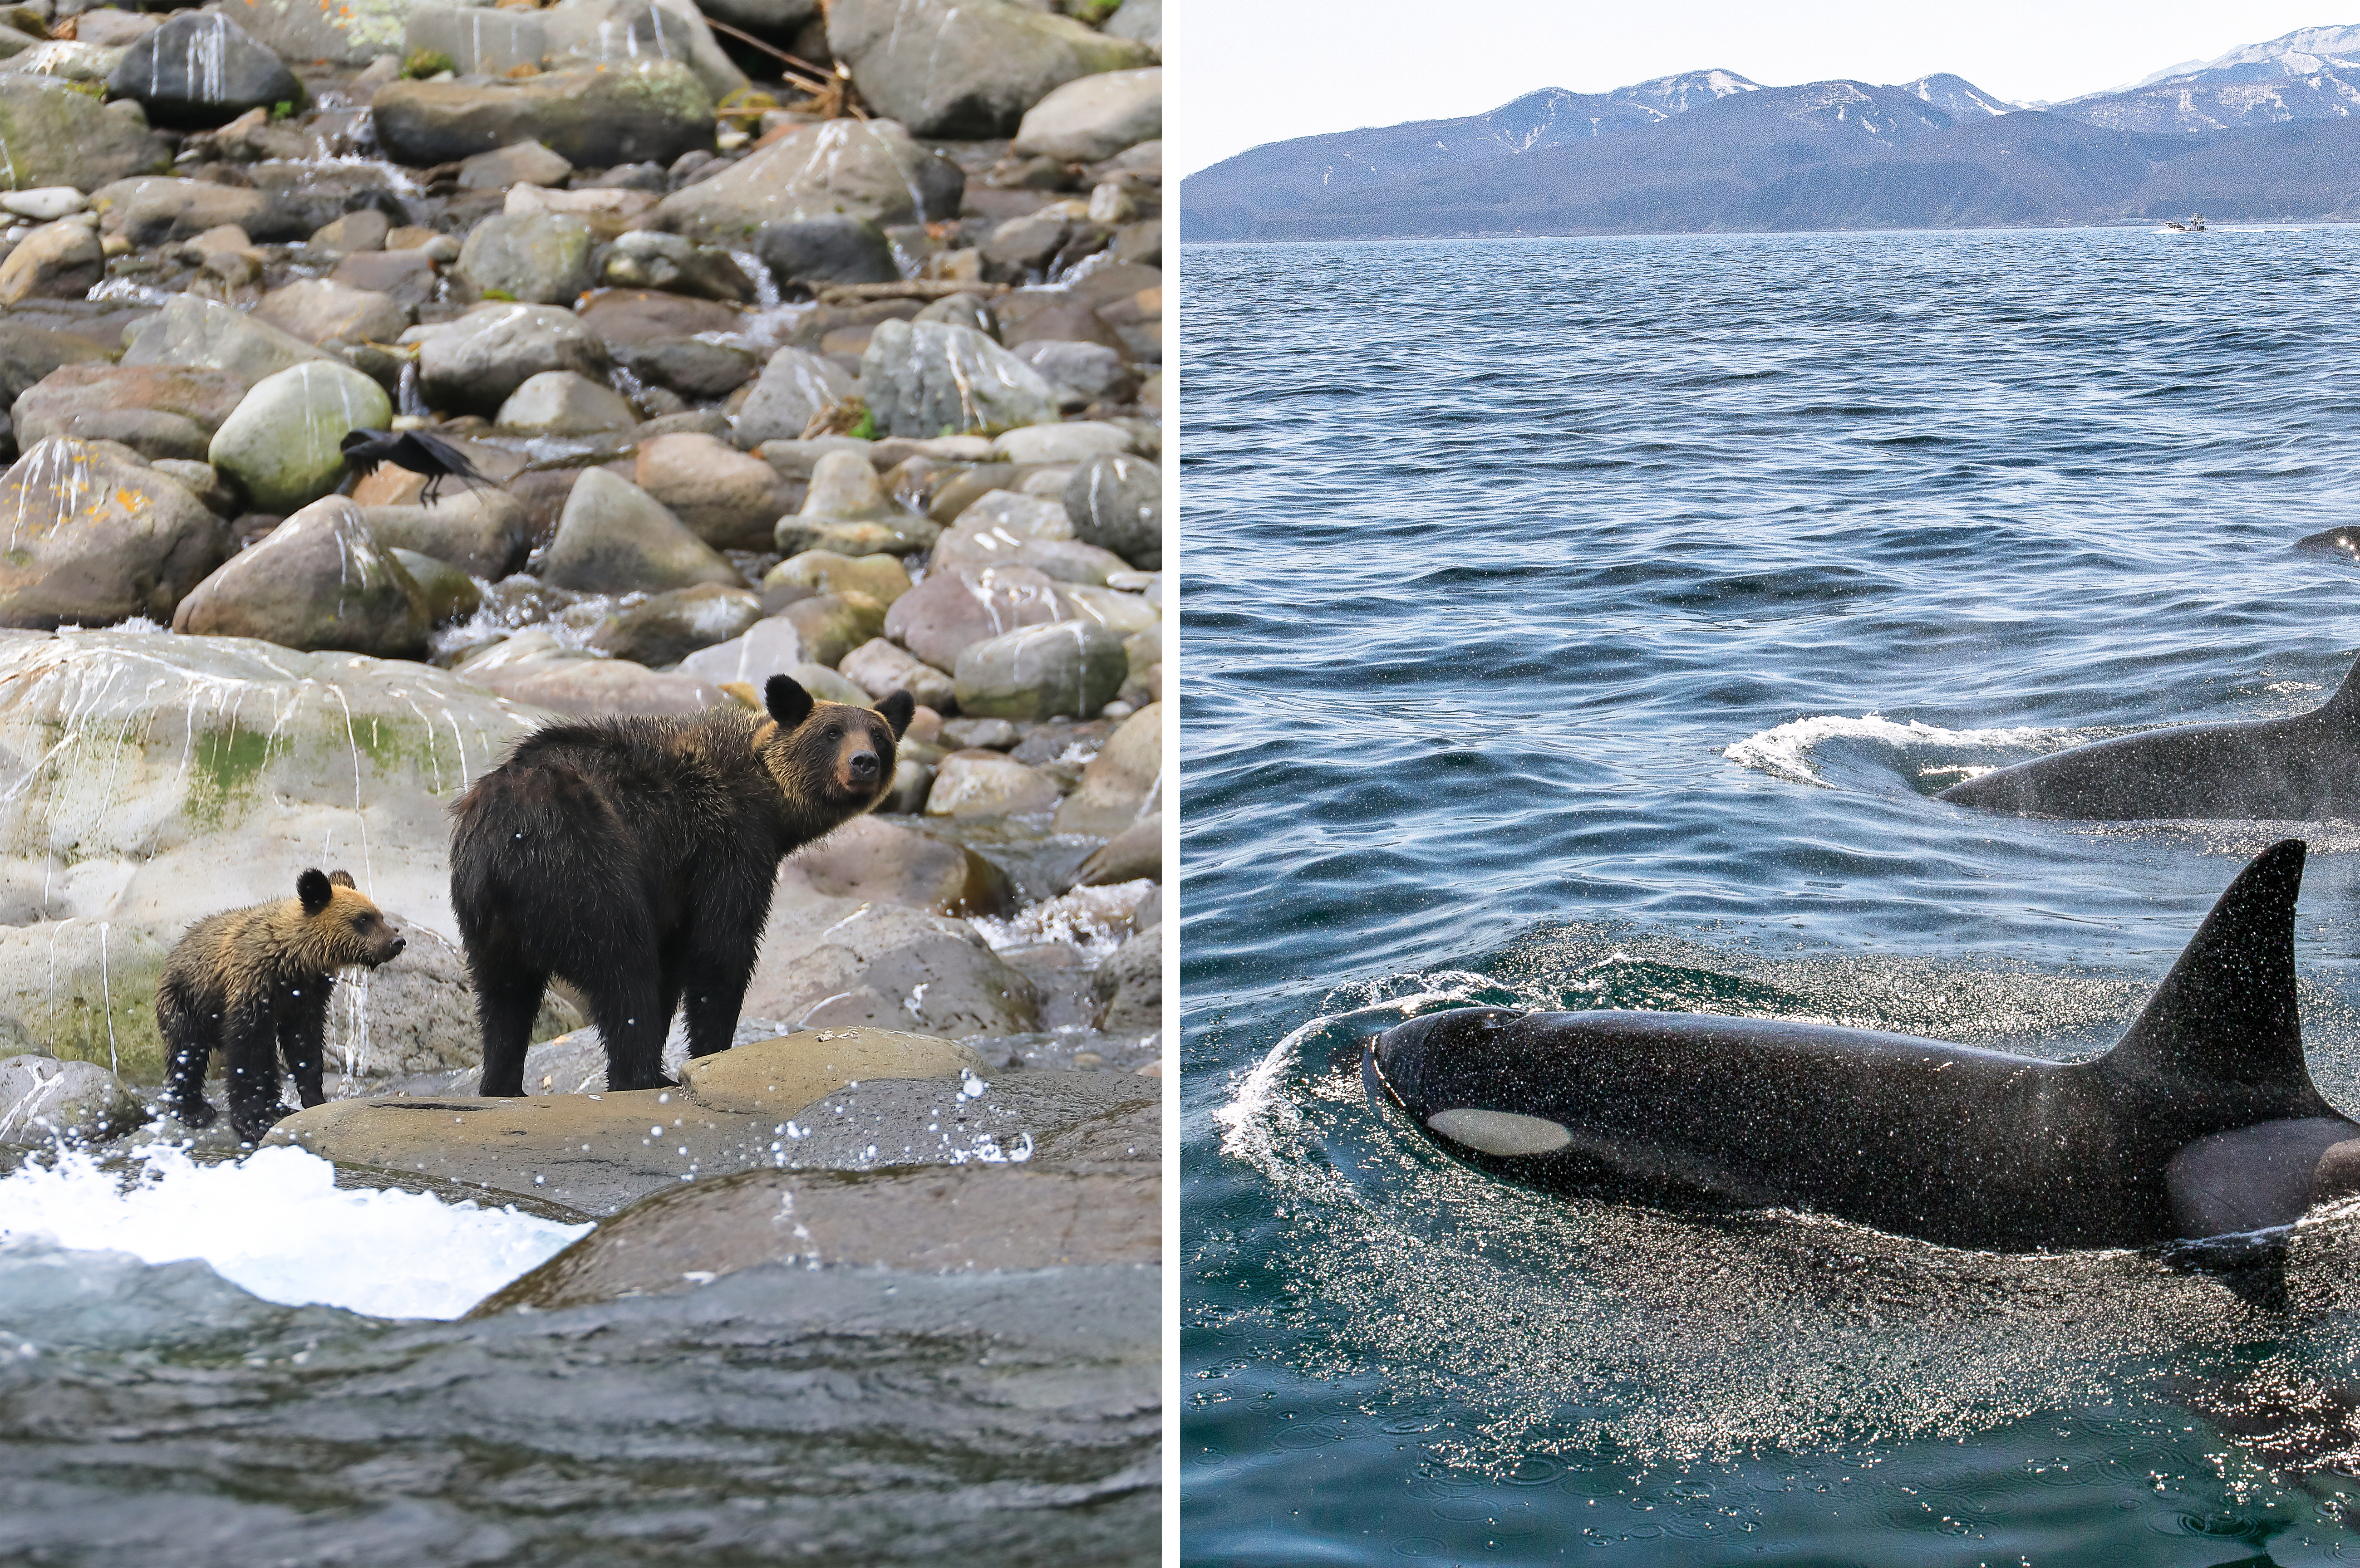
788,338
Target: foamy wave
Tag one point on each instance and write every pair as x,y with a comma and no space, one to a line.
1785,751
276,1224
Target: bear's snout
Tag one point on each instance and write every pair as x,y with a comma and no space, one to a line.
862,765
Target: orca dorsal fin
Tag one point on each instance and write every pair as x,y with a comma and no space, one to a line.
2226,1012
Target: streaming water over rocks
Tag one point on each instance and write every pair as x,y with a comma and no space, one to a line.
1586,624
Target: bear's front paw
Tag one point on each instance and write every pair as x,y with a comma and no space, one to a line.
194,1112
251,1124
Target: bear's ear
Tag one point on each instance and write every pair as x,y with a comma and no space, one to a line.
896,709
789,704
340,880
313,890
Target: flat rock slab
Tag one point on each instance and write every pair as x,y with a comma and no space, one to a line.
938,1220
801,1101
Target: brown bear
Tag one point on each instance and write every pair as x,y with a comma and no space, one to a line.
635,859
253,984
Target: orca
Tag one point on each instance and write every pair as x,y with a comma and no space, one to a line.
2305,768
2202,1119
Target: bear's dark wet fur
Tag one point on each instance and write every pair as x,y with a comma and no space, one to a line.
253,984
635,859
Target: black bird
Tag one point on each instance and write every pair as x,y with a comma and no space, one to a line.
415,451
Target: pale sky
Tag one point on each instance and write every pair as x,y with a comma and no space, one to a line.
1249,71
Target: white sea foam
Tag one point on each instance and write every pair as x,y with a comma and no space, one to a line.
276,1224
1786,750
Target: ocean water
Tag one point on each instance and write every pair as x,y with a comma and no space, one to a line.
1588,623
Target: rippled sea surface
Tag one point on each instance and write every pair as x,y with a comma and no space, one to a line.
1588,623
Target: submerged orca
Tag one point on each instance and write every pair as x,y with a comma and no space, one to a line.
2305,768
2201,1120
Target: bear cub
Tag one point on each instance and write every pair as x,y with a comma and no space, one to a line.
635,857
253,984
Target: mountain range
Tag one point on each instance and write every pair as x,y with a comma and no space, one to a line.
2265,132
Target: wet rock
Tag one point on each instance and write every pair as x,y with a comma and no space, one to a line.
702,371
924,377
597,688
778,19
828,686
151,212
29,353
314,309
476,40
1130,986
833,625
668,628
845,512
282,442
408,277
1091,118
882,577
1116,502
942,616
524,163
1122,782
1080,374
624,33
203,482
966,1219
483,532
157,410
1139,19
201,68
1073,668
45,205
862,169
538,259
874,862
614,538
1075,441
986,784
645,258
769,647
352,33
726,497
880,668
795,386
593,117
96,538
449,593
903,1096
477,361
829,963
204,336
364,229
838,249
967,68
166,778
57,261
51,135
44,1101
561,403
320,581
1134,852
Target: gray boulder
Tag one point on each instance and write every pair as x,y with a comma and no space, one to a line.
158,411
478,41
627,33
526,163
1121,782
865,168
449,593
98,538
795,386
205,335
478,360
668,628
562,403
967,68
1139,20
614,538
880,668
942,616
1080,374
838,248
200,69
1130,986
149,212
44,1101
281,445
1071,667
1116,502
768,648
1091,118
486,533
646,258
53,135
352,32
29,353
727,498
592,118
922,379
537,258
57,261
320,581
314,309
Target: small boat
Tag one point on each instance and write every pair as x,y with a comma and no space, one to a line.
2195,224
